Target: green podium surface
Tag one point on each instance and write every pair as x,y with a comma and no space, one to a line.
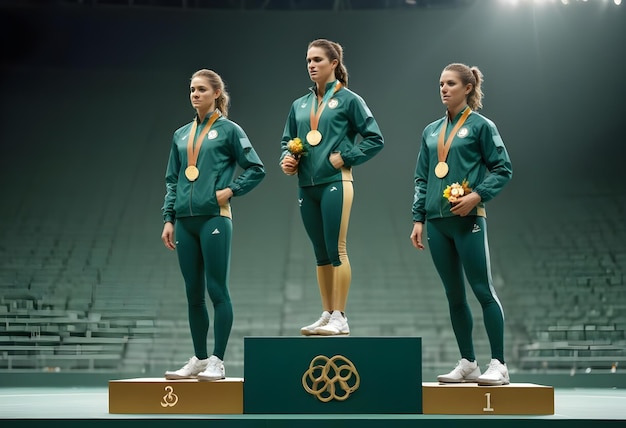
316,375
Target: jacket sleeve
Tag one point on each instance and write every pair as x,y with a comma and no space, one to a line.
421,183
497,161
367,127
248,159
171,181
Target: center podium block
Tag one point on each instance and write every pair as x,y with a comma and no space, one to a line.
328,375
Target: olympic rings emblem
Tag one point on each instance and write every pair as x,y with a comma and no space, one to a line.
331,378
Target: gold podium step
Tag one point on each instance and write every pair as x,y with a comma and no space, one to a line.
471,399
158,395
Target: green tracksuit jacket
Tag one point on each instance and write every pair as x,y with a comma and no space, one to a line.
345,117
224,147
477,154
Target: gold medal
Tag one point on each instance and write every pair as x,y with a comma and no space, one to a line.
314,137
441,170
192,173
193,150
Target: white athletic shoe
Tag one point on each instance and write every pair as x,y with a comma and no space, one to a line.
496,374
310,330
337,326
464,372
189,371
214,370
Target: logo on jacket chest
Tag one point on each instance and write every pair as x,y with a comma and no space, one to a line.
332,103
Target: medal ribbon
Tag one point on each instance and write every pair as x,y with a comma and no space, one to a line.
443,149
193,152
315,117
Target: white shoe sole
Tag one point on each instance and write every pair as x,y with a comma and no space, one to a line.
173,376
492,382
331,333
448,380
209,379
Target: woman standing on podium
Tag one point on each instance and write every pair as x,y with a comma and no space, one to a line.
319,144
462,164
200,182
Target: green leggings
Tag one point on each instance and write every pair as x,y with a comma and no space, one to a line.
458,245
325,211
204,248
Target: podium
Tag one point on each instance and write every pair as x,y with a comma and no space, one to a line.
326,375
159,395
471,399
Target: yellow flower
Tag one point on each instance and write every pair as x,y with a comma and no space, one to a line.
296,147
455,191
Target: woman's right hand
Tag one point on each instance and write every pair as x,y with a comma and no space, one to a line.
168,236
416,235
289,165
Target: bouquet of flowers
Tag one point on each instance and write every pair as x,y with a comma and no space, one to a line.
297,147
456,191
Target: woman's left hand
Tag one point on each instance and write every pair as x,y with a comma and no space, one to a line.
336,159
466,204
223,196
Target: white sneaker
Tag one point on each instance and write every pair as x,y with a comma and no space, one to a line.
310,330
337,325
190,370
496,374
214,370
465,371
